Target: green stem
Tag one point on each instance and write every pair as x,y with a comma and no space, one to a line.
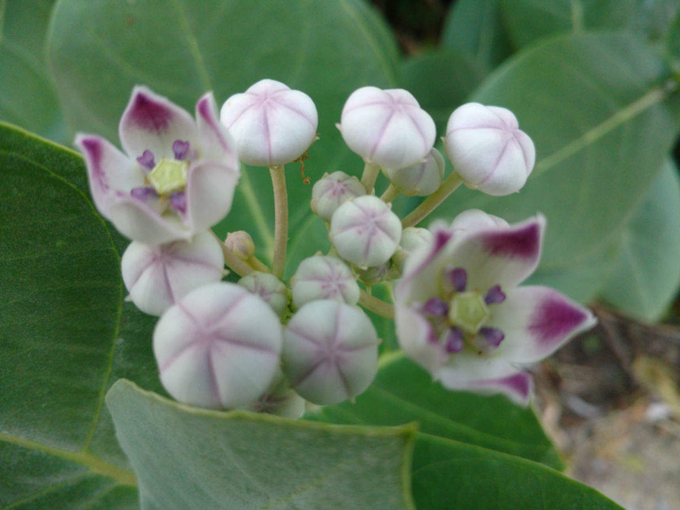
428,205
390,194
281,220
377,306
258,265
369,176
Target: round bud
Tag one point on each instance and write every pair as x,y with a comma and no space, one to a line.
475,219
269,288
333,190
330,352
387,127
323,277
271,123
374,275
279,399
412,238
157,276
241,244
488,150
421,179
219,347
365,231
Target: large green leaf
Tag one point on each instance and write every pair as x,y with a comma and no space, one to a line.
476,27
66,334
99,49
602,117
527,21
647,271
403,393
192,458
27,97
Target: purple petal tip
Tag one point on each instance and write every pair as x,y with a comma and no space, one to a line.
524,243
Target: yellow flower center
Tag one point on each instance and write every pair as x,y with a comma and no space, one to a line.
169,176
468,311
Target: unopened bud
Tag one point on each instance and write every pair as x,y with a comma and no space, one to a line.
387,127
365,231
321,277
374,275
475,219
488,150
330,352
241,244
269,288
271,123
219,347
157,276
412,238
333,190
421,179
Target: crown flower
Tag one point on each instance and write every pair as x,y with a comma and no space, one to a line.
176,177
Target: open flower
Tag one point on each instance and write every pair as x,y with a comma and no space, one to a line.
177,175
461,315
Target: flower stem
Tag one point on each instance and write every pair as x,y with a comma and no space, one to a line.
281,220
369,176
390,194
258,265
377,306
428,205
232,261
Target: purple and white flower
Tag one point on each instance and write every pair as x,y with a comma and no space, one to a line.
461,314
156,276
272,124
176,177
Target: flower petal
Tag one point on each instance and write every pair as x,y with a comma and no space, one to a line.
517,387
503,256
215,141
209,192
537,321
139,221
152,122
109,171
415,339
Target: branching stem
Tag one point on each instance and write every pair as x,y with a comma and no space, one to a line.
428,205
377,306
369,176
390,194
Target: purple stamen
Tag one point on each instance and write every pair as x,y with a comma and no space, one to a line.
494,296
178,200
146,160
143,192
454,341
458,278
493,336
436,307
180,149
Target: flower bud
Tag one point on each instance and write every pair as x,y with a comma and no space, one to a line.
412,238
333,190
219,347
271,123
157,276
488,150
279,399
330,352
241,244
387,127
365,231
475,219
269,288
374,275
322,277
421,179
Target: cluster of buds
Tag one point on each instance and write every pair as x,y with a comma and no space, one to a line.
269,345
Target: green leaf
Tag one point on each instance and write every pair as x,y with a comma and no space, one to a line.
191,458
646,273
403,393
448,475
475,27
527,21
27,96
602,118
67,333
441,80
180,48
